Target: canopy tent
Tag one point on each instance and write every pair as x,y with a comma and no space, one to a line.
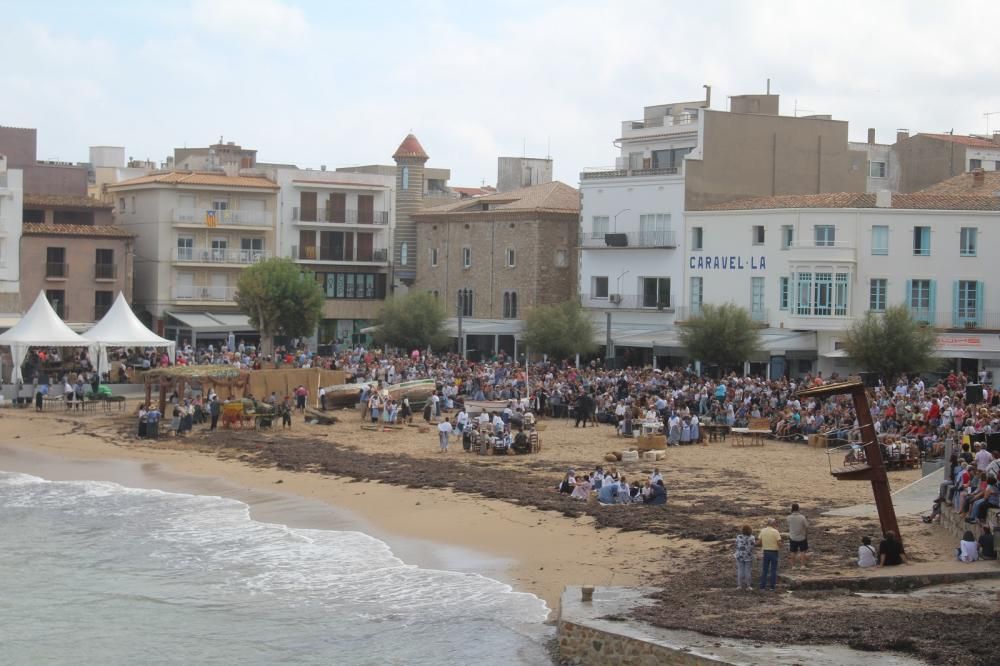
119,327
39,327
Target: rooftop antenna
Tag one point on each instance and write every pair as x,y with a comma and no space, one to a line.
548,147
795,113
987,116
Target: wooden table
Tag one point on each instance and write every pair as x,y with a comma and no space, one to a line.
717,432
755,436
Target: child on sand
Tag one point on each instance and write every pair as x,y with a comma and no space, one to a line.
968,548
745,543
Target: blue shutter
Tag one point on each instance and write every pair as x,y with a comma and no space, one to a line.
932,304
955,320
979,304
908,296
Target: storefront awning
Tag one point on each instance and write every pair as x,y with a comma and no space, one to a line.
208,322
969,345
484,327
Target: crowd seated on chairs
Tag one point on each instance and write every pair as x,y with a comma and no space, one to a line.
611,487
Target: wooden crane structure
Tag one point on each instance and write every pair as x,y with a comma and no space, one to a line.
874,468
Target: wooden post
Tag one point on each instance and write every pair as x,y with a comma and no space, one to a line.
163,395
149,389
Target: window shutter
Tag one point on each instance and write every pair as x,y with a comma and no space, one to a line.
932,302
979,303
954,304
909,295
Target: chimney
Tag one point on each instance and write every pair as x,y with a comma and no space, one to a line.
708,97
996,138
883,199
978,177
871,136
902,135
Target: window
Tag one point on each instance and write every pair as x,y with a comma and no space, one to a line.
654,229
465,302
466,257
102,303
219,247
821,294
921,241
757,299
825,234
57,299
104,264
251,250
223,204
803,293
655,292
404,254
133,204
967,244
353,285
121,204
55,262
697,238
562,259
880,240
840,295
510,305
671,158
758,234
406,178
510,258
434,256
920,298
975,164
599,286
783,293
967,309
787,236
697,295
635,160
877,294
185,248
599,226
876,169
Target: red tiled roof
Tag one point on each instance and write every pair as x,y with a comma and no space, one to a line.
971,141
554,197
410,148
198,178
919,201
63,201
475,191
103,230
965,183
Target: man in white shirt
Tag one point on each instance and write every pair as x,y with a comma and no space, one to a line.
444,432
462,419
983,457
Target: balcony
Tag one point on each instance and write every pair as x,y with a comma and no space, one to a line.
328,255
56,270
340,216
626,302
197,294
595,173
632,239
686,312
223,218
105,271
962,319
663,121
202,255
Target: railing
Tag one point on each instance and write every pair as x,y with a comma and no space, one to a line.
197,293
819,245
625,302
219,218
201,255
628,239
56,269
340,216
105,271
664,121
313,253
965,319
593,173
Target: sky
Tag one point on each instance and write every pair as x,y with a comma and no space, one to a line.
341,83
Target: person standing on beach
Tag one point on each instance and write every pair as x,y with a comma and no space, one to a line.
745,543
798,543
444,432
214,408
770,542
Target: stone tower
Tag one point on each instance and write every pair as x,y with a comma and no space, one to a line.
410,158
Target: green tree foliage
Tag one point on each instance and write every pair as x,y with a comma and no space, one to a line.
724,335
892,343
280,299
561,331
412,321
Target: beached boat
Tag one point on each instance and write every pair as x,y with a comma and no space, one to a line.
418,391
344,395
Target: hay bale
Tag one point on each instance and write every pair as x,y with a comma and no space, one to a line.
610,457
629,456
649,456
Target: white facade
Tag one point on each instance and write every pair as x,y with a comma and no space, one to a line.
987,159
11,218
882,166
817,269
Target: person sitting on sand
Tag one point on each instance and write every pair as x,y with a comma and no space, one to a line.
968,548
608,494
657,493
867,557
568,483
987,548
890,551
582,489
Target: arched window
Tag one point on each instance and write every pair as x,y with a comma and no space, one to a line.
513,305
510,305
406,178
465,302
404,254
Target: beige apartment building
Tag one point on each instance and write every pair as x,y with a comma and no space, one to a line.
492,258
195,232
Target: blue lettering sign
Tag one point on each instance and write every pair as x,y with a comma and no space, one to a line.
730,262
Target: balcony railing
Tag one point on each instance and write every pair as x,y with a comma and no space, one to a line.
663,121
198,293
54,269
202,255
617,241
105,271
313,253
626,302
961,319
819,245
593,173
223,218
340,216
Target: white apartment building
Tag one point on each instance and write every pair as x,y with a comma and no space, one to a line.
807,266
11,204
195,232
340,226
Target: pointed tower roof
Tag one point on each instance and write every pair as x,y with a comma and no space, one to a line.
410,148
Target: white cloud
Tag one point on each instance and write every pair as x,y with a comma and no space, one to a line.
246,24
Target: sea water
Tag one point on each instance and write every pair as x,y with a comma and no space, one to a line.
97,573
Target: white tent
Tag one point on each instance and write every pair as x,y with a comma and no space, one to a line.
39,327
121,328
